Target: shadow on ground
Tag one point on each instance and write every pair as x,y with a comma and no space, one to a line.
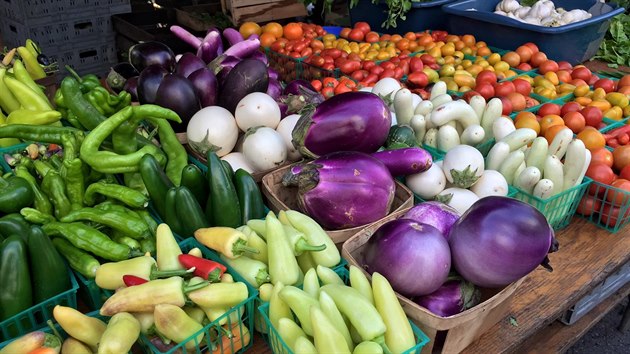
604,337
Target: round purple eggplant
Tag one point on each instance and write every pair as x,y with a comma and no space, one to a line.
352,121
143,54
149,81
188,64
453,297
206,86
178,93
439,215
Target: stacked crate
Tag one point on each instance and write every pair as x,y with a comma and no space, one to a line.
78,33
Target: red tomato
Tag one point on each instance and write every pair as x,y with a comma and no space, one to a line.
372,37
565,65
485,89
507,106
377,70
607,84
570,107
370,79
404,65
603,156
588,205
417,79
362,26
415,64
625,173
306,52
582,73
395,60
332,52
359,75
387,73
593,116
428,59
341,88
469,94
349,66
610,215
548,66
549,108
398,72
356,35
486,76
354,56
368,64
505,88
330,82
620,196
602,174
387,65
328,66
317,85
522,86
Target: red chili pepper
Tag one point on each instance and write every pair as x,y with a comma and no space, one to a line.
205,268
132,280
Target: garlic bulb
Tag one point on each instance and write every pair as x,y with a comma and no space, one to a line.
507,6
522,12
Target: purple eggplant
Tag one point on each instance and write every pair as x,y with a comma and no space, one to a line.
274,89
243,49
298,87
250,75
273,74
352,121
499,240
405,161
178,93
233,36
345,189
414,257
131,86
206,86
186,36
143,54
455,296
149,82
439,215
188,64
211,46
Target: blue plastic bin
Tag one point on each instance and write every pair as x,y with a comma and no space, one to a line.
575,42
421,16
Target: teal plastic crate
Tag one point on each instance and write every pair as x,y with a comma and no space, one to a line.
90,293
611,206
288,68
214,334
36,316
560,208
10,150
279,346
612,126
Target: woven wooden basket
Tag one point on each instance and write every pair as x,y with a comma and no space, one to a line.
280,197
461,329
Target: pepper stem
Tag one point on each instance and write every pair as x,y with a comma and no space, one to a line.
302,246
381,341
74,73
214,276
262,277
155,274
240,246
190,288
53,329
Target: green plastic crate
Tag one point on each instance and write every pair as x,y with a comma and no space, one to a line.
10,150
36,316
278,346
606,197
560,208
213,332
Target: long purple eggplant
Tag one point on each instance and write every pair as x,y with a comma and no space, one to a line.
353,121
233,36
211,46
186,36
243,49
405,161
206,86
345,189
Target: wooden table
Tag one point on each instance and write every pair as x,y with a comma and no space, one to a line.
587,255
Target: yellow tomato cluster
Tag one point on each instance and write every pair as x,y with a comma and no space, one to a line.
549,86
368,51
614,105
461,76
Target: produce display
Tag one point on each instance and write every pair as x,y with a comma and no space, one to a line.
152,187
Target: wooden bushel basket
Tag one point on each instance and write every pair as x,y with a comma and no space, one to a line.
280,197
461,329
